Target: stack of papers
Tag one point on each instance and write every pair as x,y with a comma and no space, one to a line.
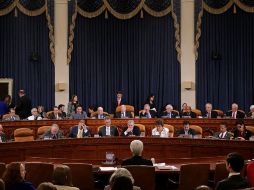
167,167
107,168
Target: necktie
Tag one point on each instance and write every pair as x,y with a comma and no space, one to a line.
118,102
209,115
234,115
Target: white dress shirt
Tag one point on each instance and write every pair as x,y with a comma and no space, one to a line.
164,132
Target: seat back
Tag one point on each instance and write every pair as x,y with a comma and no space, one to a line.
2,169
251,129
38,172
171,130
94,113
198,130
82,175
187,171
129,108
141,127
197,112
41,130
220,172
250,173
23,134
144,176
219,112
49,113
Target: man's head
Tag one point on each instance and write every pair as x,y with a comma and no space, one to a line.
79,109
81,123
55,110
234,162
123,108
252,108
130,124
208,107
120,172
100,110
223,127
40,109
136,147
240,126
34,111
21,93
147,107
61,107
159,124
12,112
169,108
186,125
54,129
107,121
234,107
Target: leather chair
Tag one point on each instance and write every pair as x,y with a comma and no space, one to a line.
23,134
250,173
251,129
144,176
41,130
94,113
198,129
141,127
129,108
197,112
171,130
82,175
220,173
2,169
48,114
219,112
38,172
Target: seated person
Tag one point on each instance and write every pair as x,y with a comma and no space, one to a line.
2,134
209,113
108,130
61,111
55,114
169,113
251,113
62,178
234,165
46,186
223,133
79,114
188,113
131,129
100,114
234,113
186,130
41,111
146,113
91,110
136,148
35,115
159,130
80,131
123,113
53,133
11,116
241,132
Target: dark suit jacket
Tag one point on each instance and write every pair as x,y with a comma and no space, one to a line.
115,104
246,134
135,131
113,131
141,115
233,182
25,185
23,107
119,114
52,116
190,132
214,114
239,115
173,114
137,160
74,132
191,114
49,135
249,114
227,135
3,137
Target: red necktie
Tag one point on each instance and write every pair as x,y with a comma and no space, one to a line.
209,115
118,102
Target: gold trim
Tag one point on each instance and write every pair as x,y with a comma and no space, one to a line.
91,14
198,35
155,13
124,16
244,7
28,12
217,11
8,9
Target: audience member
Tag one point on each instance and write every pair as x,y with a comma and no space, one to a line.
234,113
2,134
79,114
61,110
55,114
35,115
186,130
118,101
2,185
24,105
41,111
151,102
100,114
209,113
146,113
223,134
46,186
241,132
184,108
14,177
131,129
159,129
188,113
80,131
251,113
11,116
62,178
91,110
123,113
8,101
136,148
53,133
108,130
234,165
169,113
72,105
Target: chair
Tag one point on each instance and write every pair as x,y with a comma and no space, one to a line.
41,130
176,111
197,112
171,130
2,169
48,113
82,175
220,173
38,172
141,127
144,176
23,134
129,108
250,173
219,112
251,129
94,113
198,130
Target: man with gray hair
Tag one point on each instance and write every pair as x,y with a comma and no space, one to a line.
234,113
35,115
123,113
251,113
209,113
53,133
131,129
169,113
136,148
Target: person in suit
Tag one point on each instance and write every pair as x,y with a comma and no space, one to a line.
2,134
79,114
223,133
241,132
24,105
123,113
136,148
151,101
146,113
234,165
186,130
131,129
53,133
61,110
169,113
41,112
100,114
184,108
72,105
80,131
209,113
91,110
118,101
234,113
35,115
55,115
11,116
251,113
159,130
108,130
188,113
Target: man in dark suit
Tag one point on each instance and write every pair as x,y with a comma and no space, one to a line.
209,113
146,112
169,113
136,147
234,164
80,131
118,101
55,114
123,113
61,111
188,113
241,133
223,134
186,130
131,129
2,134
24,105
100,114
53,133
108,130
234,113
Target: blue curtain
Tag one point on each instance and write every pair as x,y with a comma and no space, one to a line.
25,57
225,66
136,56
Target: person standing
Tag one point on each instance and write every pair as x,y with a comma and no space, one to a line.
24,105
